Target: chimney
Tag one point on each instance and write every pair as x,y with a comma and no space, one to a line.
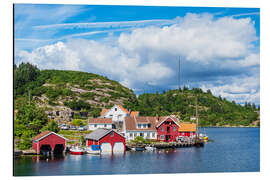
157,118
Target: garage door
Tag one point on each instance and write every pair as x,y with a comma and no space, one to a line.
106,147
118,147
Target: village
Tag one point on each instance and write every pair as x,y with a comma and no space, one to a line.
118,130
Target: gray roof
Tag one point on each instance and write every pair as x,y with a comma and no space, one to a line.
97,134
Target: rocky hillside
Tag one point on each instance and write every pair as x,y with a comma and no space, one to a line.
67,95
71,94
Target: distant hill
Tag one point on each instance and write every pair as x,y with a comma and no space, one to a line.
213,111
66,95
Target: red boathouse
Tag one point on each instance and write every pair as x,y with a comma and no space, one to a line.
108,139
49,141
167,129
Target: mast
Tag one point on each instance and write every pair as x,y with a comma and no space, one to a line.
179,68
197,117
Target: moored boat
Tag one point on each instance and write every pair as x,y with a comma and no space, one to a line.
149,148
76,150
139,148
93,149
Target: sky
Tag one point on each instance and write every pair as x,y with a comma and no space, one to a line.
140,46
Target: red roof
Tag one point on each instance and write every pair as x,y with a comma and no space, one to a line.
102,113
100,120
134,113
131,123
44,133
163,118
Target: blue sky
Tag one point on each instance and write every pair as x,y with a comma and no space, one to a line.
139,46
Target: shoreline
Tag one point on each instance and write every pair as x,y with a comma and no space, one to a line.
230,127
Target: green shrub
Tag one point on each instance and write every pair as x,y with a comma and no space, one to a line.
51,126
78,122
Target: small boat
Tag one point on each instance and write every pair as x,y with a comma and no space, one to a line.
149,148
140,148
203,137
76,150
93,149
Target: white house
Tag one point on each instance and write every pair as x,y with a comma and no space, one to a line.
117,113
140,126
96,123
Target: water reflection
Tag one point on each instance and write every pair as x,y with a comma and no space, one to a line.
53,158
222,155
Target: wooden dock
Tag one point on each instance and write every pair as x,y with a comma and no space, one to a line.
166,145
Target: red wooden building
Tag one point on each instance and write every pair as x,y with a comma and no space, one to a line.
187,129
108,139
167,129
49,141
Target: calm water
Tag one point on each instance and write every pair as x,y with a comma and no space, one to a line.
232,150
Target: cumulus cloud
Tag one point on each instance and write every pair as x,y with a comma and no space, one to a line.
217,54
196,38
240,89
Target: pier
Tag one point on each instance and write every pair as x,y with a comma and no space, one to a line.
166,145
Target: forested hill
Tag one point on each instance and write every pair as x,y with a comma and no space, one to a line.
213,111
87,92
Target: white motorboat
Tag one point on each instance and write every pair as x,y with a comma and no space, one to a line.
149,148
93,149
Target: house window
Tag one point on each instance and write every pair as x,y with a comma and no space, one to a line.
148,135
105,125
115,109
144,126
149,125
139,126
162,137
135,134
131,135
95,125
141,134
162,128
153,134
174,128
111,134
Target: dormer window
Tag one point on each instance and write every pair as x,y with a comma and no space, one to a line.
144,125
139,126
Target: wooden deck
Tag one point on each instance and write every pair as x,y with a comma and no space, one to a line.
165,145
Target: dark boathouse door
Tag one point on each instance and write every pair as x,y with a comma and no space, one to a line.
168,138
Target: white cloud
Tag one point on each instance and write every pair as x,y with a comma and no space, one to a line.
196,37
240,89
250,60
56,56
114,24
149,55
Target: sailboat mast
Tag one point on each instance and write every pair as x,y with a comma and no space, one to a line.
197,117
179,85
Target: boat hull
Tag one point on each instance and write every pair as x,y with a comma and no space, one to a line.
140,148
93,152
76,152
